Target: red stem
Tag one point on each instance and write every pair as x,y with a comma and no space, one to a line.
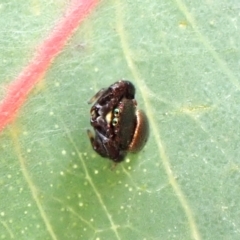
19,89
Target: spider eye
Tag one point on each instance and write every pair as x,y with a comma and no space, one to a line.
116,112
114,121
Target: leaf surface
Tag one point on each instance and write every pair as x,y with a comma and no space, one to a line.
183,58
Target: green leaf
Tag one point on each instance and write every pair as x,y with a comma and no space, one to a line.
183,58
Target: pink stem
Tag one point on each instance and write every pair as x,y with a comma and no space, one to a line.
19,89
